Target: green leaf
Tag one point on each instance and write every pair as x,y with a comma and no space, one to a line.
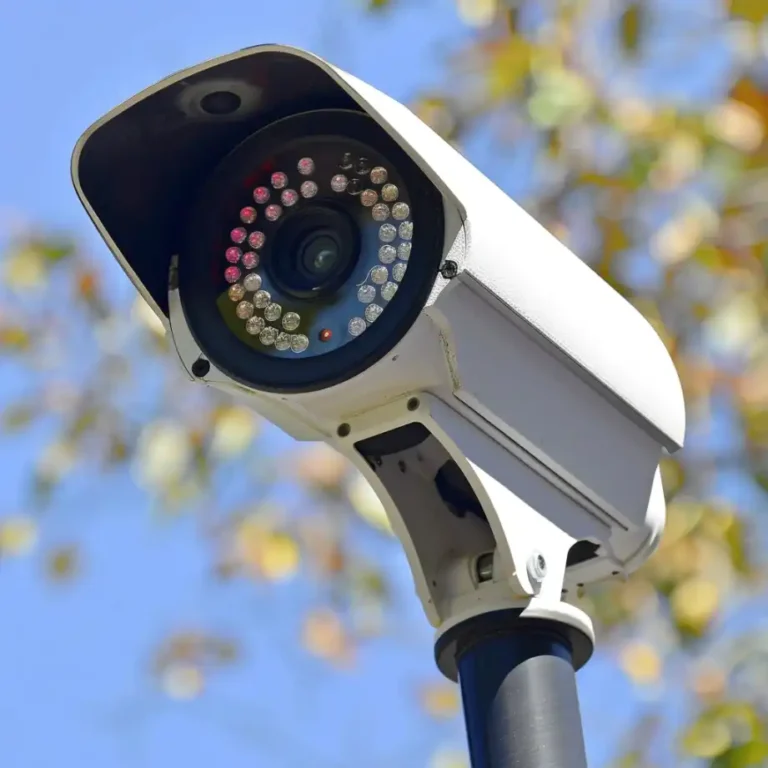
752,755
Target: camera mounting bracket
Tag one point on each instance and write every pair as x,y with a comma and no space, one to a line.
473,545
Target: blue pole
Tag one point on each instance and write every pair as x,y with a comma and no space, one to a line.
520,699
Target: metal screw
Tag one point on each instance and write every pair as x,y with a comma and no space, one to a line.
449,269
200,368
484,567
537,567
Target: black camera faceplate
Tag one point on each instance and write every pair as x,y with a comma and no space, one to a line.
200,274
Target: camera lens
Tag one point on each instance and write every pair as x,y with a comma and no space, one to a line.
315,249
320,255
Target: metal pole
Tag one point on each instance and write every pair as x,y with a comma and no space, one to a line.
521,703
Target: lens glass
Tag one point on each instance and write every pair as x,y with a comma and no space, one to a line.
316,248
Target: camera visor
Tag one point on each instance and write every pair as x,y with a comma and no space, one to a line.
306,231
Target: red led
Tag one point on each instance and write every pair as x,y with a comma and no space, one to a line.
233,255
325,334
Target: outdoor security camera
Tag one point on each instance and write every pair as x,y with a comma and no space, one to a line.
313,247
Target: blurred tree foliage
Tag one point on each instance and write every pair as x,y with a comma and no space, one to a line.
665,195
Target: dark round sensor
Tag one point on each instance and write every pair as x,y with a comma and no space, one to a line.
220,103
314,251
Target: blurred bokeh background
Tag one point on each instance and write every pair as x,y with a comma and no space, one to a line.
181,584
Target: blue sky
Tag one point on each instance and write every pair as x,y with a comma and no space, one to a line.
73,689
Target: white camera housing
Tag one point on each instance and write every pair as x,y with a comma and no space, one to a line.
550,393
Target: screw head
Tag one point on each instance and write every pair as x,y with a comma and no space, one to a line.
537,567
200,367
449,269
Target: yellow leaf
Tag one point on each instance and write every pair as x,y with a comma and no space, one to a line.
62,563
182,681
694,603
509,65
441,700
280,557
707,739
321,468
25,269
632,27
265,552
737,124
18,535
234,430
755,11
163,454
15,338
478,13
324,635
641,663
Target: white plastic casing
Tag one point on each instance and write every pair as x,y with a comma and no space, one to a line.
540,380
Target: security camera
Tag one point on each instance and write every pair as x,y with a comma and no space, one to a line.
314,248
